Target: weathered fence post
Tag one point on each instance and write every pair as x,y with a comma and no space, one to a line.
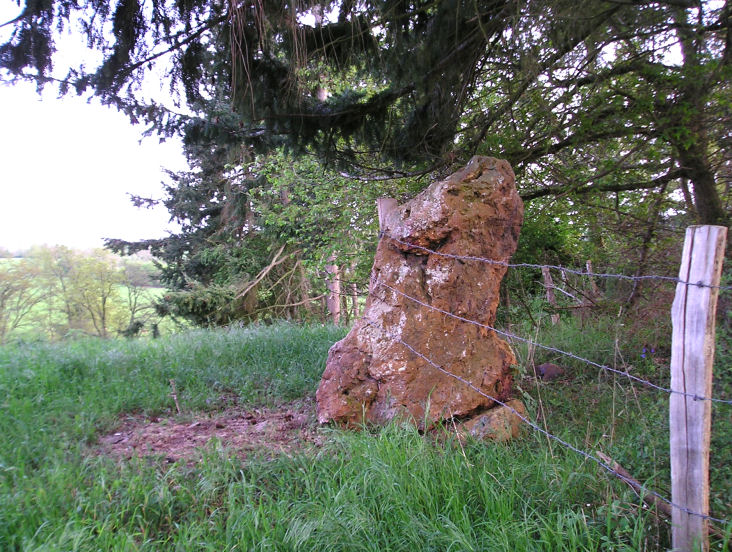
593,286
692,356
549,285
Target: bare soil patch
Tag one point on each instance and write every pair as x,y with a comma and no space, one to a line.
285,429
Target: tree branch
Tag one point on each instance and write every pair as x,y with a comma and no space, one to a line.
630,186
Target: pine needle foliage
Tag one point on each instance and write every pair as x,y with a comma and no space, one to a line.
613,114
555,87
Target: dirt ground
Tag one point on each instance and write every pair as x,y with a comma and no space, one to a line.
286,429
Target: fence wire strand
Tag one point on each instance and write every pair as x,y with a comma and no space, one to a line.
530,342
555,267
555,350
534,426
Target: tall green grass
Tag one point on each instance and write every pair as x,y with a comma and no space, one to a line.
373,489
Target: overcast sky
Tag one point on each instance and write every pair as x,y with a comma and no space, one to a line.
66,167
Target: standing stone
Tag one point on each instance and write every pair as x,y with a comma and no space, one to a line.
371,375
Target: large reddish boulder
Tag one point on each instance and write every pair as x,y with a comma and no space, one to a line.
380,369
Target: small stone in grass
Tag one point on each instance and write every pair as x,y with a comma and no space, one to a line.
549,371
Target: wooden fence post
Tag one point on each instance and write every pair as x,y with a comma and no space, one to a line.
549,286
692,356
593,286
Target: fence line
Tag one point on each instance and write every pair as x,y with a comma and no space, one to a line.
579,272
537,427
554,349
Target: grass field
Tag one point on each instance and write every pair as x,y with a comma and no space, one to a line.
374,489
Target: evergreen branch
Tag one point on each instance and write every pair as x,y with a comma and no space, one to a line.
129,69
389,174
291,305
569,46
22,15
376,103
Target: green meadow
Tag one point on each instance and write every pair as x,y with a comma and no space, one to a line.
375,489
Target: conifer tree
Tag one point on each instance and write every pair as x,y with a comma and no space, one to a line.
409,86
608,106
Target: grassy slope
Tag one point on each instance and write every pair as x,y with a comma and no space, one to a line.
391,489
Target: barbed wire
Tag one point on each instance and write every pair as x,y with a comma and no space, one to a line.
360,284
579,272
534,426
554,349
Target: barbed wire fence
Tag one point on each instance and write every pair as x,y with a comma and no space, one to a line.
579,272
379,289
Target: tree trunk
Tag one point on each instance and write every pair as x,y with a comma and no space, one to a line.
304,289
706,197
345,311
692,143
334,289
708,204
